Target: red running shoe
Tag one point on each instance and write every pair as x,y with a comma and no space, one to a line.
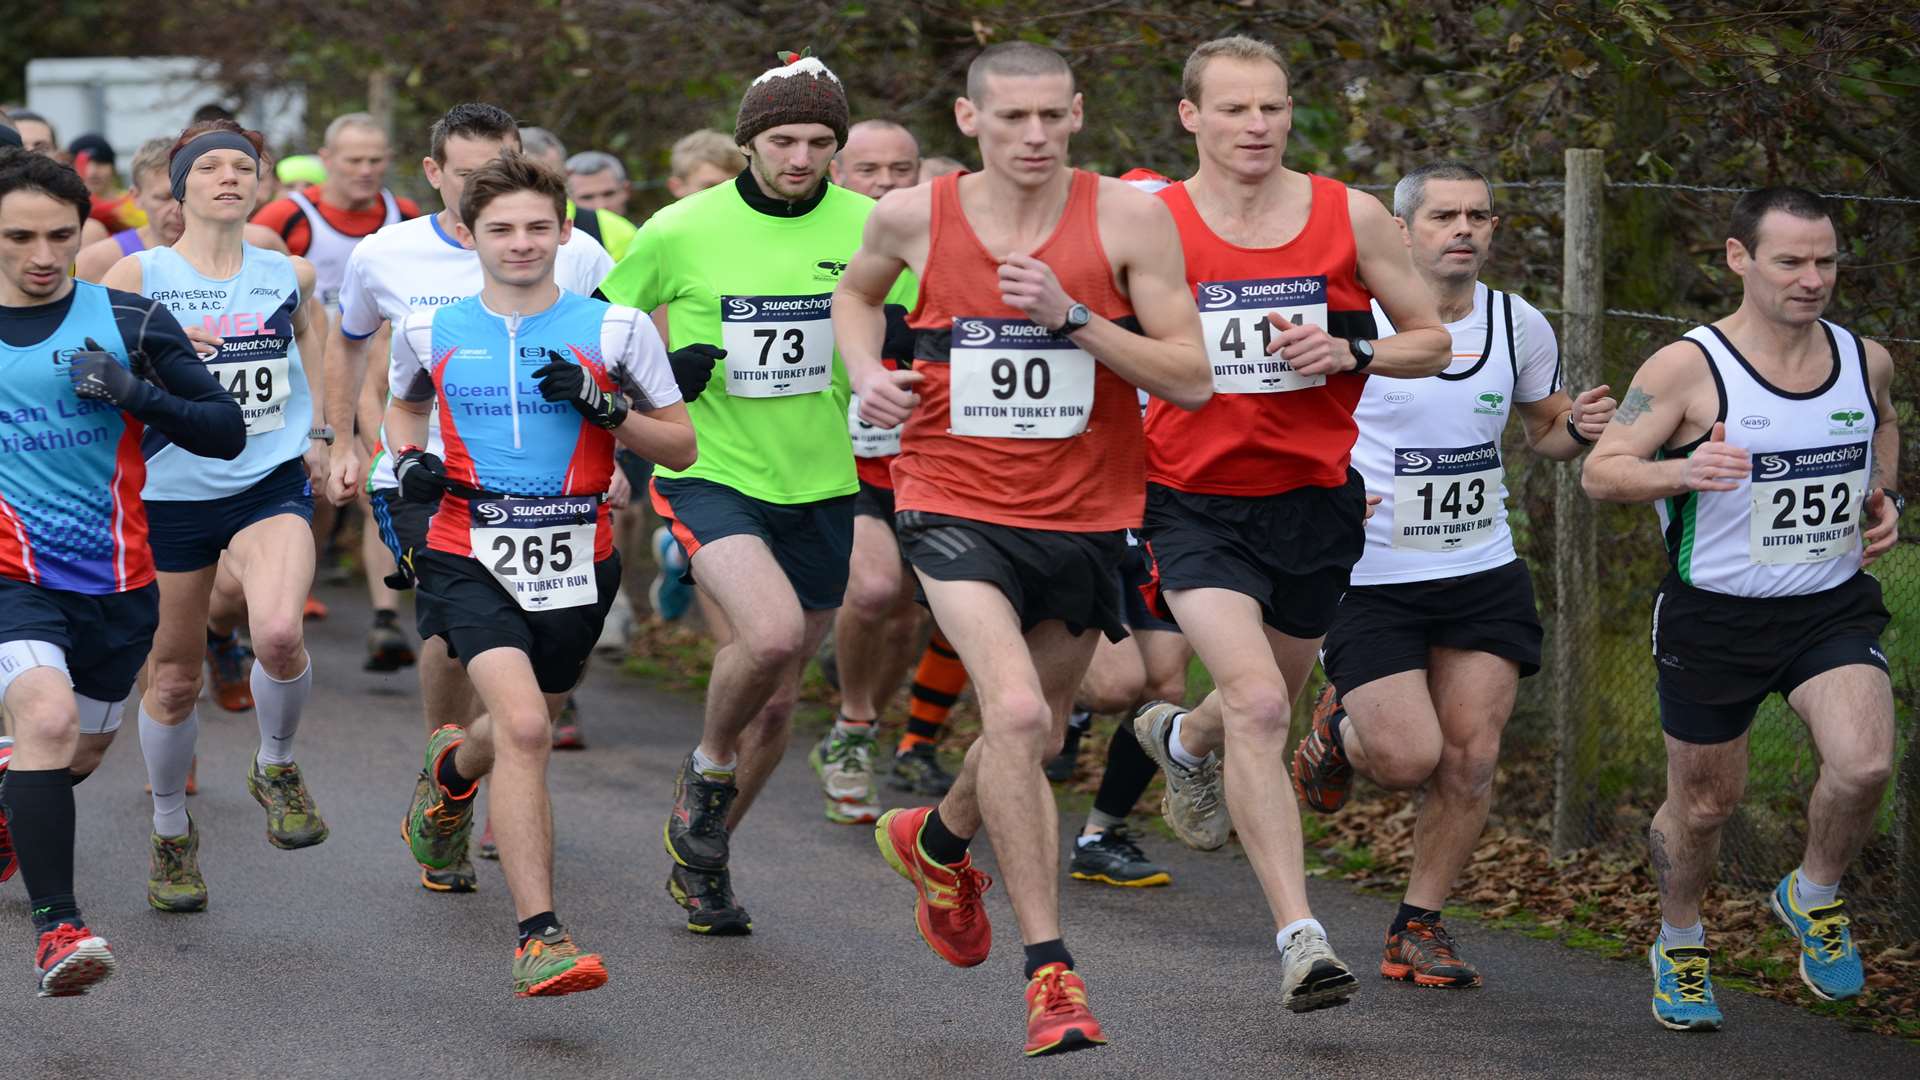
315,611
1058,1020
9,862
71,960
1322,776
949,913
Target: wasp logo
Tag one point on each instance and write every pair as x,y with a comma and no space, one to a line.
1214,297
740,309
1399,397
1413,461
491,513
1773,466
1755,423
974,334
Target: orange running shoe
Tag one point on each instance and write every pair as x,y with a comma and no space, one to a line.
549,964
1424,954
949,913
315,611
227,671
1058,1020
1322,776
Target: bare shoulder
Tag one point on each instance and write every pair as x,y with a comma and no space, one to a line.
96,259
263,237
303,272
1363,207
1879,365
1132,219
124,275
904,210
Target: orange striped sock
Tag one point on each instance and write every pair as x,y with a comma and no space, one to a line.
937,683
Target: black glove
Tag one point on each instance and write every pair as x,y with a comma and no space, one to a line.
97,375
693,367
422,476
563,380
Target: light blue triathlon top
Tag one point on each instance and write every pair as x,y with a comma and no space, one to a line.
258,363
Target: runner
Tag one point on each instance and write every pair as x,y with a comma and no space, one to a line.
1430,642
255,512
153,194
606,226
1020,470
597,181
1767,592
77,599
1253,516
37,136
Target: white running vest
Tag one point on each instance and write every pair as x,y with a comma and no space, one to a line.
328,248
1430,449
1792,527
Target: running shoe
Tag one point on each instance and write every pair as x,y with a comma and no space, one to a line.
918,772
1195,800
293,821
949,912
388,647
315,611
1829,964
227,670
1061,766
617,631
1425,954
549,964
9,860
439,827
843,760
1683,988
696,832
1058,1020
71,960
566,729
669,595
708,897
1322,776
1112,858
174,882
486,848
1311,977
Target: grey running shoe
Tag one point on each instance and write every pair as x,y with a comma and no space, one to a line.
844,763
919,771
1195,802
1311,977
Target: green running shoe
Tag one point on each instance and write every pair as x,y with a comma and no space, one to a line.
438,826
292,819
174,882
549,964
843,759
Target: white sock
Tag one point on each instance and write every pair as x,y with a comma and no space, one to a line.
1677,937
1297,926
706,766
168,749
1809,895
1083,841
1180,754
277,705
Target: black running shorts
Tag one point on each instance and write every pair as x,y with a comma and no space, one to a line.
459,601
1382,630
1045,575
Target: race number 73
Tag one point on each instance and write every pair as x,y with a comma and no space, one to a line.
532,553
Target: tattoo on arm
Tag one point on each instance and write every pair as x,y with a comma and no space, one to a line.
1638,401
1662,862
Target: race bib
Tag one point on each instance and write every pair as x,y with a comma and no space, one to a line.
1233,319
1445,498
777,346
870,441
539,550
1014,380
1807,503
261,386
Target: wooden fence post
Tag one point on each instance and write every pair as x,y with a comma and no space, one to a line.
1576,618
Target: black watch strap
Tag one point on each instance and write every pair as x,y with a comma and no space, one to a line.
1573,432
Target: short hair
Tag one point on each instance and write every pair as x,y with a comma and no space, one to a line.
153,155
1013,59
194,131
512,172
21,170
472,120
540,142
29,116
595,162
1237,47
882,124
1411,192
341,123
1755,205
212,110
705,147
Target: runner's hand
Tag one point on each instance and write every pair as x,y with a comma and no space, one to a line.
619,490
1373,502
1885,528
1029,285
887,397
343,472
1717,465
318,463
563,380
98,376
1593,411
422,476
1309,350
204,343
693,367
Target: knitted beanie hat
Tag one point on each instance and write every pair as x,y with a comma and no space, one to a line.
800,91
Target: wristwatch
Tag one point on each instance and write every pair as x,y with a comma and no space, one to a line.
324,433
1899,500
1077,319
1362,350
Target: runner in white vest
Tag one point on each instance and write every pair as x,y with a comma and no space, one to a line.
1769,442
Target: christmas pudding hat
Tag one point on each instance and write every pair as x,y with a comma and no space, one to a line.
800,91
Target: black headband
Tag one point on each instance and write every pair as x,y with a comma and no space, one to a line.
201,144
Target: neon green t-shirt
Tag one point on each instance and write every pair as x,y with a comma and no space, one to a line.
772,423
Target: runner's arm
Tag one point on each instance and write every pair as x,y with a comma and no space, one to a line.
189,406
657,426
1547,413
1668,402
96,259
262,237
405,421
859,307
1422,346
1886,433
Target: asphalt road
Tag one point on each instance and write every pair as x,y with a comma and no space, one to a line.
333,962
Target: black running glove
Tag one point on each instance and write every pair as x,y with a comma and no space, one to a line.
97,375
563,380
422,476
693,367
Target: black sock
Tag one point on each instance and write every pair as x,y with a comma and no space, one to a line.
1339,737
941,845
219,639
540,923
1041,954
385,616
40,818
1129,771
447,775
1409,912
923,729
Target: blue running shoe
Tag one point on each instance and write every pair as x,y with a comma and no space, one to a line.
669,595
1682,989
1829,964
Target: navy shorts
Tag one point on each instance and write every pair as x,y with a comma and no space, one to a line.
812,542
106,638
402,525
874,501
188,535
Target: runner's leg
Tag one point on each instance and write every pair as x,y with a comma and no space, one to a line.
518,807
1849,713
1474,692
1705,782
